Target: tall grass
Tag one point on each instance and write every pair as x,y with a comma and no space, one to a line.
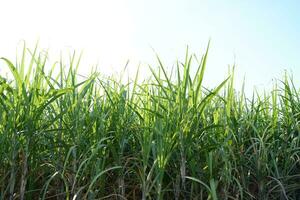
165,138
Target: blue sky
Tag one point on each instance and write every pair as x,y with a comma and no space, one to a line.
260,37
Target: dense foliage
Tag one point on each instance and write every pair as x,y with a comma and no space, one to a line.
164,138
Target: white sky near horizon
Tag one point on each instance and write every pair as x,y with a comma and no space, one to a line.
260,37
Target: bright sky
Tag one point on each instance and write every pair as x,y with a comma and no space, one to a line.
261,37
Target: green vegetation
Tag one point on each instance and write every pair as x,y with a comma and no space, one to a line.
165,138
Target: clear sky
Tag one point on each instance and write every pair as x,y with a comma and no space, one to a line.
260,37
